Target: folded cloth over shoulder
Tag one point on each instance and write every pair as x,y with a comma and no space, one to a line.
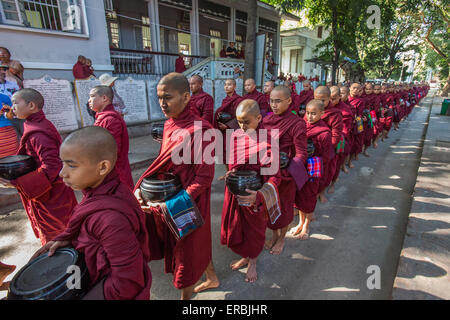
181,214
271,201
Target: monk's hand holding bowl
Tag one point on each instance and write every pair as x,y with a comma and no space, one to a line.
51,247
247,200
5,183
226,175
146,207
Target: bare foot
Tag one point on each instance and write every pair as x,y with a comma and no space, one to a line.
208,284
344,168
304,234
375,145
238,264
296,230
366,154
331,189
278,247
351,165
270,243
322,198
5,270
356,158
251,275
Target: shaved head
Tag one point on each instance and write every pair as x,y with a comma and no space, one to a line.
104,91
31,95
94,143
175,81
248,106
250,81
335,90
323,90
316,104
197,77
285,91
344,89
306,82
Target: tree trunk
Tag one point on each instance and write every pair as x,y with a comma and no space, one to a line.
336,50
250,42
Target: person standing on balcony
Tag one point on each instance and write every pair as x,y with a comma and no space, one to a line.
79,70
119,105
179,64
232,51
223,52
15,68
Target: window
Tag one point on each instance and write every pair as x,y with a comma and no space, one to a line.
114,34
319,32
146,40
238,38
54,15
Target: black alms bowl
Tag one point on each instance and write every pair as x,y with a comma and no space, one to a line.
238,181
224,117
284,160
157,131
311,148
160,187
13,167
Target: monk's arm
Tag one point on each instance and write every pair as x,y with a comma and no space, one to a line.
300,140
48,153
336,129
208,109
204,175
123,252
114,126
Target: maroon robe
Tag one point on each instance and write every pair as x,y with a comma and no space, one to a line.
229,105
187,258
108,228
46,199
112,121
333,118
390,105
377,128
179,65
202,105
347,127
358,107
305,97
259,97
368,130
320,134
79,71
292,140
243,229
295,104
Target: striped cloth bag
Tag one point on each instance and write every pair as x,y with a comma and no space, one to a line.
314,167
8,141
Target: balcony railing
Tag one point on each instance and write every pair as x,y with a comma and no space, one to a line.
143,64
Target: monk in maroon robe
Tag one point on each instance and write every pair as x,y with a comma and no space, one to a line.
377,127
295,104
201,103
108,226
48,202
347,124
180,67
292,141
332,116
383,118
348,118
188,257
368,129
305,96
244,218
229,105
252,93
306,199
268,87
358,107
100,101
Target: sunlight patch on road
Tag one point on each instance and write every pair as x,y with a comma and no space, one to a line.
379,227
341,289
299,256
388,187
320,236
403,152
394,177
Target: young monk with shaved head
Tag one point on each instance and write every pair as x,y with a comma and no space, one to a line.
306,199
345,91
358,106
188,257
100,101
244,218
333,118
369,101
268,87
293,142
252,93
347,125
201,103
48,202
108,226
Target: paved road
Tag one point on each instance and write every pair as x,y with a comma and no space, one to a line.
362,225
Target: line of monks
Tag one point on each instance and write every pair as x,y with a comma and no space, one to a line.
119,233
